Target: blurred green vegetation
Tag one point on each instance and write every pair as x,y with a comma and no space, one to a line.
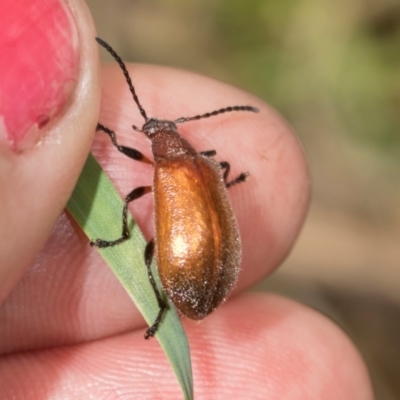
304,56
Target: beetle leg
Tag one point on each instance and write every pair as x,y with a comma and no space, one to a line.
226,166
135,194
240,178
148,257
128,151
208,153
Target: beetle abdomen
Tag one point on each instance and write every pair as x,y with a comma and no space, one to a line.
197,239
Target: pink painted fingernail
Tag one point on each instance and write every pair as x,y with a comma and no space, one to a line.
39,61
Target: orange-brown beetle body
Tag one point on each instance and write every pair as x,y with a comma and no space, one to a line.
196,240
196,236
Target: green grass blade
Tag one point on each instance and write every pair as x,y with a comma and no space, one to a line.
97,208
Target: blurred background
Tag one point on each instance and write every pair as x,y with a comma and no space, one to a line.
332,69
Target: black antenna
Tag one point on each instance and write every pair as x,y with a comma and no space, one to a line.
216,112
126,74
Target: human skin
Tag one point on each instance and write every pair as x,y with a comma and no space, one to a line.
67,327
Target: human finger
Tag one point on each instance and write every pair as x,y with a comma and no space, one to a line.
257,347
49,81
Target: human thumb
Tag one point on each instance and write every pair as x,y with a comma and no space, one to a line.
49,103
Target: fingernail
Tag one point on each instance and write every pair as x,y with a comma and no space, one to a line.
39,61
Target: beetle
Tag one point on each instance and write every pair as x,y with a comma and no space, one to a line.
196,242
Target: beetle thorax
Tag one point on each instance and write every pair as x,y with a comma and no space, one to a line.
155,125
166,140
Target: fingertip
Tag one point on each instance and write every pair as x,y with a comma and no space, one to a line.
254,347
264,346
41,161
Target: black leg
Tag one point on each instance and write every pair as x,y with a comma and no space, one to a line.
128,151
148,257
239,179
208,153
226,166
135,194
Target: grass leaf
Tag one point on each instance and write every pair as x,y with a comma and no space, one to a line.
97,207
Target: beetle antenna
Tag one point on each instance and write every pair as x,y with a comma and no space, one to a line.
216,112
126,74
